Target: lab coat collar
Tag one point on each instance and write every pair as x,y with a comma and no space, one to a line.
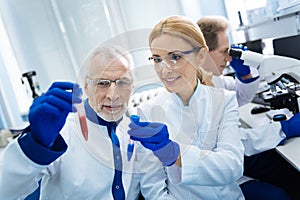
194,98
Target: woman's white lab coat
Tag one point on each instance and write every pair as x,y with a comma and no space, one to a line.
210,148
84,171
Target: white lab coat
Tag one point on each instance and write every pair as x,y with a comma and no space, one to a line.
84,171
257,139
210,148
245,92
263,138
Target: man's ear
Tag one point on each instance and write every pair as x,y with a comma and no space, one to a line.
132,89
85,87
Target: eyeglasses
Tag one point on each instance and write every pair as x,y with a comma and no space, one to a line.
122,83
174,60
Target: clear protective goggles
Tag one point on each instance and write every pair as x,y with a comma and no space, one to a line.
174,59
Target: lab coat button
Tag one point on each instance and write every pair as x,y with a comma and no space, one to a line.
117,187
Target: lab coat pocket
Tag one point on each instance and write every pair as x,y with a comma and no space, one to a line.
211,133
209,142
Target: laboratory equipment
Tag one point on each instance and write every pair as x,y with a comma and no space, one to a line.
280,72
130,147
259,109
82,117
29,76
287,46
82,120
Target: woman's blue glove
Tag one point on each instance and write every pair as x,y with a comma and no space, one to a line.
291,127
238,64
154,136
48,113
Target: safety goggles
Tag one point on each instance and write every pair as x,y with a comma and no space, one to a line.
174,59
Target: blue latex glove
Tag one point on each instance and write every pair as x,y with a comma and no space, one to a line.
48,113
155,136
291,127
238,64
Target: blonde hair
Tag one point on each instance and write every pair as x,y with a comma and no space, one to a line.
186,29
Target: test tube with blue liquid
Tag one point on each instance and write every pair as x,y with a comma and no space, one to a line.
130,147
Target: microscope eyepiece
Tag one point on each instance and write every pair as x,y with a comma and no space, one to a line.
235,53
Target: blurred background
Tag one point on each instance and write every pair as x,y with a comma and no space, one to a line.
42,41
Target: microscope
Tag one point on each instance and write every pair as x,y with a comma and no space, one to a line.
281,73
29,76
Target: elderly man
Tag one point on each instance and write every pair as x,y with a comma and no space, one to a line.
97,164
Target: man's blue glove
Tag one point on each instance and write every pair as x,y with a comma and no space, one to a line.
48,113
291,127
238,64
154,136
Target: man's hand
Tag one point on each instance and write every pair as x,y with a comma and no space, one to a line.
238,64
48,113
291,127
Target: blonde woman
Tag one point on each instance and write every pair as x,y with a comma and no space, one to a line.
191,128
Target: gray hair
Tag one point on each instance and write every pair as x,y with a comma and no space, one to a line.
110,52
107,51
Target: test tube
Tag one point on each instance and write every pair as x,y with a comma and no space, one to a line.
130,147
82,120
134,118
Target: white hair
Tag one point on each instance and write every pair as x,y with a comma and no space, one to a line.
112,52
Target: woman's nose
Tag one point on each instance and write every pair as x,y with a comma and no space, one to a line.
165,67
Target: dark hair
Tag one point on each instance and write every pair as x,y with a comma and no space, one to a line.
210,27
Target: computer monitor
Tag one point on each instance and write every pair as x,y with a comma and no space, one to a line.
287,46
254,45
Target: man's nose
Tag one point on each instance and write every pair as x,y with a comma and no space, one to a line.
112,91
228,58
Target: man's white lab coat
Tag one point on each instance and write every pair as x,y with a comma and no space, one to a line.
257,139
84,171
